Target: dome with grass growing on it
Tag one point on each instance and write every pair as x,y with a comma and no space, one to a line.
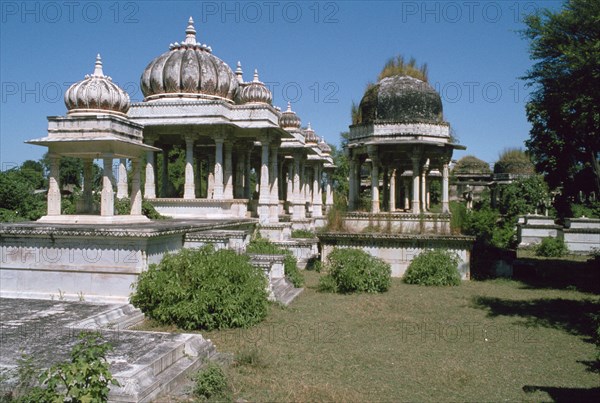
470,164
514,161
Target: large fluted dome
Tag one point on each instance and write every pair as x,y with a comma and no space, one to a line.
189,70
289,119
401,99
255,92
96,94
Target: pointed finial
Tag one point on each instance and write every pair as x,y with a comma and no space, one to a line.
309,128
239,73
190,33
256,76
289,108
98,67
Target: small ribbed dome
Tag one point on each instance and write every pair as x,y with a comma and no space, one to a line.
289,119
96,94
401,99
255,92
309,135
323,146
188,70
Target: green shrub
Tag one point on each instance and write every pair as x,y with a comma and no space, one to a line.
85,379
327,284
458,216
123,207
203,289
302,233
433,267
211,384
551,247
266,247
354,270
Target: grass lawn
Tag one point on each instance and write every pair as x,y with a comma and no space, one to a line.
482,341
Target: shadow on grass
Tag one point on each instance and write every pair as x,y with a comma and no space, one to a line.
567,394
558,274
575,317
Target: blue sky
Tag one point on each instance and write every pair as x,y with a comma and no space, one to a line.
318,55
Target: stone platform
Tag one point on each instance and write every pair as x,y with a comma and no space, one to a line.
146,364
91,263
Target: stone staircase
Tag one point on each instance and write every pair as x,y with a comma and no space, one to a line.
284,291
148,365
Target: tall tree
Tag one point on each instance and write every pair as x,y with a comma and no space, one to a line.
565,105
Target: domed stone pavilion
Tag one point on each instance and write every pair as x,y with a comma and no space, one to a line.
400,134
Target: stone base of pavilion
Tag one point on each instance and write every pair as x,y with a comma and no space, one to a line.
85,219
95,262
398,222
400,249
201,208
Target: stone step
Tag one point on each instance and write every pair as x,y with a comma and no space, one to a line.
284,291
161,370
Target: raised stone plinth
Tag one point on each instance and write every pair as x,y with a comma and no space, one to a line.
201,208
95,263
401,223
399,250
303,249
582,235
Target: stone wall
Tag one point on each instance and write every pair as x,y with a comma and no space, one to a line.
400,250
398,223
581,235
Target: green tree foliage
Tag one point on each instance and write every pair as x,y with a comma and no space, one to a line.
523,196
203,289
551,247
342,170
564,109
514,161
433,267
354,270
18,200
470,164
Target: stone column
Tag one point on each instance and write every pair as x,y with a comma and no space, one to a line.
189,188
406,194
386,191
228,171
264,198
136,193
290,186
415,189
54,186
273,173
247,173
88,201
122,188
107,204
298,200
424,188
210,179
445,187
329,191
150,185
392,202
374,185
317,200
218,170
165,172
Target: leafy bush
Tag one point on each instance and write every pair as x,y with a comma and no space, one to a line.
589,210
266,247
354,270
203,289
551,247
211,384
85,379
302,233
523,196
123,207
433,267
458,216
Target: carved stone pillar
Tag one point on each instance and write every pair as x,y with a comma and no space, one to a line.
317,200
445,187
54,186
150,185
122,188
136,193
210,178
415,189
392,201
189,188
107,203
264,198
228,172
298,200
218,170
